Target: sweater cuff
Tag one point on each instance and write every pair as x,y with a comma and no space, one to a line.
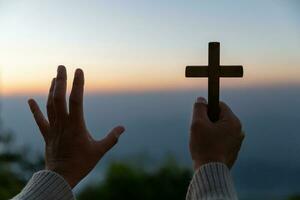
212,181
46,185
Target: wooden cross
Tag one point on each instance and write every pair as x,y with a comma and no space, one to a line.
214,71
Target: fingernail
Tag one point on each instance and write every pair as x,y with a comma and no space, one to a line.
61,70
78,72
53,82
121,130
201,100
30,101
60,67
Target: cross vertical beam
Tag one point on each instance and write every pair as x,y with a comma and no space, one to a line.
213,80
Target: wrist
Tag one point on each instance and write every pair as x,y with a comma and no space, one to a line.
199,163
65,175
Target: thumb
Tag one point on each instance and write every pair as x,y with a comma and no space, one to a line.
39,118
110,139
200,110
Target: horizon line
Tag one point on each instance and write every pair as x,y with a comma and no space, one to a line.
91,92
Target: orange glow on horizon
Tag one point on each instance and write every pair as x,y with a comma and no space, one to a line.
41,88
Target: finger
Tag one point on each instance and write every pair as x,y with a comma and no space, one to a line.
200,110
110,140
39,117
76,98
50,106
225,111
59,95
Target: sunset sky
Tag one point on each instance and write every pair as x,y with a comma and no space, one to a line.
145,45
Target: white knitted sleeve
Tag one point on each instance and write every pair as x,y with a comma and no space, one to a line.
46,185
212,181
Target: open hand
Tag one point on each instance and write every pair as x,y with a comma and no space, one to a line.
214,142
70,149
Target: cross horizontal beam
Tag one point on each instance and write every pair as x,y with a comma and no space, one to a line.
224,71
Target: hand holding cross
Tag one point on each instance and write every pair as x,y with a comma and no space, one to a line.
214,71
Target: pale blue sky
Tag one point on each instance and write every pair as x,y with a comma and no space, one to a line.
124,45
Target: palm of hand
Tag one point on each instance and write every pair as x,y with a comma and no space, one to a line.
70,149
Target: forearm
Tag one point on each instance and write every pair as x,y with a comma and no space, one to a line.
212,182
46,185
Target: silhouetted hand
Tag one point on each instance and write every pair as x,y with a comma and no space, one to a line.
214,142
70,149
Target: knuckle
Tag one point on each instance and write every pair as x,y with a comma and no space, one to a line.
198,105
37,114
49,105
34,113
78,82
196,125
114,141
60,79
57,98
235,123
222,105
74,100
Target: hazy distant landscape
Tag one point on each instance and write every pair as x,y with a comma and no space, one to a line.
157,125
